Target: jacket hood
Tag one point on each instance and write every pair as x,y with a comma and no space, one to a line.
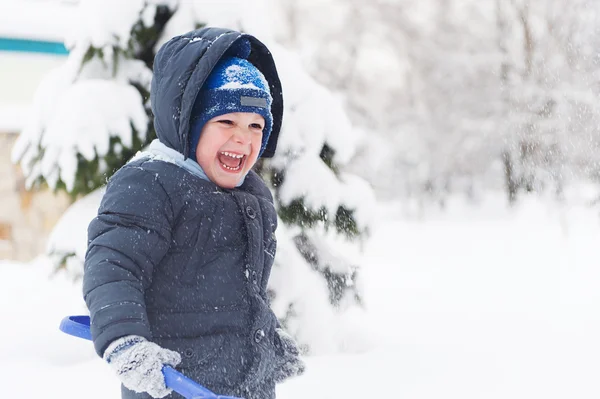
181,67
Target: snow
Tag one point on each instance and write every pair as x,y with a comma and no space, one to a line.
69,235
245,16
314,116
308,295
102,106
238,85
311,179
236,75
477,302
20,76
12,117
93,97
107,23
41,20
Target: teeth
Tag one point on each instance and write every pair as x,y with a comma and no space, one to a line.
229,154
229,167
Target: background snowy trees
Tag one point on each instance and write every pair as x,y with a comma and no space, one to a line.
465,96
93,114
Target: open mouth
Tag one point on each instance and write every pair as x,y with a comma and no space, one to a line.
231,161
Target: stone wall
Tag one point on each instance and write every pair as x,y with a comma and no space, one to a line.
26,218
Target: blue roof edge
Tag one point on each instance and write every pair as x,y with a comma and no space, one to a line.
32,46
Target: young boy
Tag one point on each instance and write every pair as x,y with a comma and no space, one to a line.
180,253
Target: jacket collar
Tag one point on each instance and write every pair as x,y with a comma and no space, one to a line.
157,151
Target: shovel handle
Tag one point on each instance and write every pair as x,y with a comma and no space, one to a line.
79,326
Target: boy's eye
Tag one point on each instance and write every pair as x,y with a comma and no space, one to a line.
226,121
256,126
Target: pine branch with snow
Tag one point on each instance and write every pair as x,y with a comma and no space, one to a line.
91,114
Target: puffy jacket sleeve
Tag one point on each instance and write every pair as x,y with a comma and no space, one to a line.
126,241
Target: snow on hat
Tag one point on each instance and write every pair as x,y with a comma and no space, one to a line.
234,85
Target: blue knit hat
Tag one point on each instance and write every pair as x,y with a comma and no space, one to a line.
234,85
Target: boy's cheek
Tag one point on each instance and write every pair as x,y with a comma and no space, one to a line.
251,161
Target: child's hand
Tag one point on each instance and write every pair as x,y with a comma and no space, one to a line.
139,362
290,364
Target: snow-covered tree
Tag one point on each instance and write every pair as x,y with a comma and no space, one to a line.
92,115
323,209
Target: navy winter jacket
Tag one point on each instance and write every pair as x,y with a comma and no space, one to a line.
178,260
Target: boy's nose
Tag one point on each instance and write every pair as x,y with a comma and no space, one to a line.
242,136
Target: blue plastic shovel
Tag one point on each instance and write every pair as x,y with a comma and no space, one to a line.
79,326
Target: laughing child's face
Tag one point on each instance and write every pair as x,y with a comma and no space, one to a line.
229,146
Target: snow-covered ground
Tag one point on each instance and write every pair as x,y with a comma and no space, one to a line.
473,303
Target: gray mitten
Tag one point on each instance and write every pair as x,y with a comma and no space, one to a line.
139,362
290,363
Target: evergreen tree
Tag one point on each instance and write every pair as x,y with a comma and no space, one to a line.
93,114
324,212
